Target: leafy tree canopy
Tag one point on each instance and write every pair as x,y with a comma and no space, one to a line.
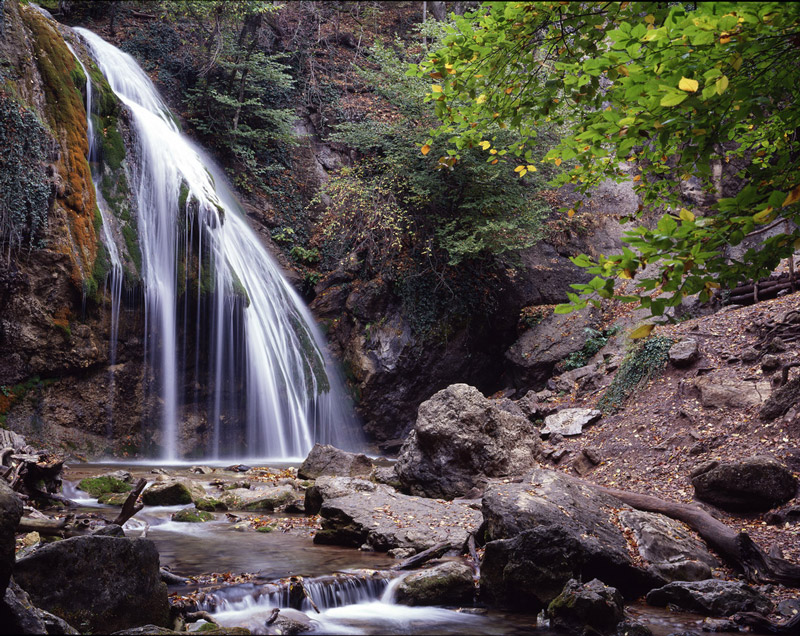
656,92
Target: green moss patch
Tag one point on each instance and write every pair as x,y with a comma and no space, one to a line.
191,515
97,486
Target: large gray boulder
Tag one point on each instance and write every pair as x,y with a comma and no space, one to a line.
668,547
332,487
591,608
720,390
97,584
712,597
753,484
547,530
382,518
173,492
10,514
461,439
450,583
531,359
329,460
569,421
266,499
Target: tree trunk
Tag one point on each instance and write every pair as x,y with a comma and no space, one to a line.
737,548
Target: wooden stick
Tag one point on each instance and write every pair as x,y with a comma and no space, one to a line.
433,552
130,507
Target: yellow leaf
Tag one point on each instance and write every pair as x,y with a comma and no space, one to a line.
523,172
570,213
641,332
623,70
792,197
688,85
436,88
558,161
481,98
519,168
736,62
495,161
637,177
436,75
425,149
493,151
712,285
509,89
626,274
686,215
722,84
763,216
531,168
650,19
485,145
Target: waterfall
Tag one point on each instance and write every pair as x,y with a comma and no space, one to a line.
226,336
114,278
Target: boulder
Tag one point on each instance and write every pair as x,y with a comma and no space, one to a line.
10,514
18,615
459,440
670,549
450,583
569,421
173,492
546,530
531,359
192,515
590,608
718,390
753,484
712,597
684,352
782,400
266,499
97,583
381,518
630,627
329,460
332,487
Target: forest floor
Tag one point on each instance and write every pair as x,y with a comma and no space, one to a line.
664,431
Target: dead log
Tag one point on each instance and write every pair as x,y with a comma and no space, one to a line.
173,579
193,617
273,616
131,505
473,553
736,548
423,557
43,526
762,625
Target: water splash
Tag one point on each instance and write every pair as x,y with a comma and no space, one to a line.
225,332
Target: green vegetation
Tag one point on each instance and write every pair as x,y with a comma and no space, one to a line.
97,486
209,504
10,395
191,515
595,340
645,361
653,92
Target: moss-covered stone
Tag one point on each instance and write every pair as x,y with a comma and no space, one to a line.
97,486
210,504
192,515
172,493
113,498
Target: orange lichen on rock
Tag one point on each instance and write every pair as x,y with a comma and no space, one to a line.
66,113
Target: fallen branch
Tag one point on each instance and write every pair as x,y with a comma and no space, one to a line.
473,553
761,624
273,616
423,557
172,579
193,617
131,507
737,548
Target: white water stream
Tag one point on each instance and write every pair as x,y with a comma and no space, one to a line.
271,390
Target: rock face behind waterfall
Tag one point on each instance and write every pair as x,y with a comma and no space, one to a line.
461,439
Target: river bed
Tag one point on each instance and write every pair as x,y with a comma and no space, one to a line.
352,588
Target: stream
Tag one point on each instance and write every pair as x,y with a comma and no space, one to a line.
354,590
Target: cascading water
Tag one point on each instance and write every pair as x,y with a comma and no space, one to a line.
225,331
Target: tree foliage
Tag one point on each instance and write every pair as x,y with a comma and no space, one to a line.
653,92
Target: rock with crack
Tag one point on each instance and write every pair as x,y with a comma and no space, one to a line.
750,485
712,597
381,518
460,440
684,352
672,553
329,460
548,529
569,421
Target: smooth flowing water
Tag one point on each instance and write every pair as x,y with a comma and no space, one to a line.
227,337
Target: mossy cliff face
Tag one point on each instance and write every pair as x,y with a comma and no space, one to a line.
54,330
62,80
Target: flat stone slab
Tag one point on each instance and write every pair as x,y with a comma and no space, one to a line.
384,519
569,421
